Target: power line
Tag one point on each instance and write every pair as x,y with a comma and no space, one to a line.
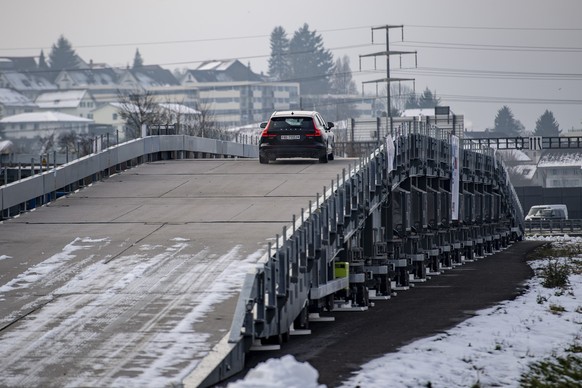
489,47
512,100
234,38
490,74
185,41
544,29
193,61
506,100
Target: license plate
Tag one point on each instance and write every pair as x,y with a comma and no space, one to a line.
290,137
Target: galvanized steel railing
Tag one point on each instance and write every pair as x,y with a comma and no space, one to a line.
39,189
552,227
384,217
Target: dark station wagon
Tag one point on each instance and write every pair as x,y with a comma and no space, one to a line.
296,134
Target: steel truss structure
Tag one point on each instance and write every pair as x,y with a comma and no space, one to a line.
386,222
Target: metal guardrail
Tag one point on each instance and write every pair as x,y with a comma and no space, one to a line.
553,227
39,189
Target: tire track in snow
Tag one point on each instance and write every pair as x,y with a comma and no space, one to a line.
77,332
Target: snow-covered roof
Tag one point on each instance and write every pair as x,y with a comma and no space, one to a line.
526,171
43,117
173,107
22,81
223,71
125,107
18,63
561,159
180,109
63,99
154,75
9,97
215,65
514,155
6,146
86,77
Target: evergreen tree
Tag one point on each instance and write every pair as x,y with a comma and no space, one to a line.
62,56
42,65
137,60
279,67
428,100
341,79
547,125
506,124
311,63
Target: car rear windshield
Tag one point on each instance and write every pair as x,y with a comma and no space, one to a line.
294,124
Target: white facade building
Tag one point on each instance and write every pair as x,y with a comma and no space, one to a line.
42,124
73,102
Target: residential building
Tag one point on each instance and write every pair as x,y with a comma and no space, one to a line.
13,103
150,77
237,96
73,102
524,175
42,124
181,115
18,64
103,83
26,83
107,116
230,92
561,168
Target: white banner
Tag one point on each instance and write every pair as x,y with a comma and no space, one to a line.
390,153
455,177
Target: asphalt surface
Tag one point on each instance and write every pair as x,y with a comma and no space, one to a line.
338,349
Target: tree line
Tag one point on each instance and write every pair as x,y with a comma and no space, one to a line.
506,125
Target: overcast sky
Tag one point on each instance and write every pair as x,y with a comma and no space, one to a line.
476,55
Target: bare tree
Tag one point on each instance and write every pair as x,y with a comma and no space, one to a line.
138,108
205,124
47,143
175,112
73,142
399,95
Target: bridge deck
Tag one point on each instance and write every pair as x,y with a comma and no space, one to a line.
131,281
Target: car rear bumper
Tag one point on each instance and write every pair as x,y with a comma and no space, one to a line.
292,151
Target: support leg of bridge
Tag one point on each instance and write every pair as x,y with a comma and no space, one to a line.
315,317
257,346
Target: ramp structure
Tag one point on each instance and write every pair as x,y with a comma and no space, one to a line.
418,204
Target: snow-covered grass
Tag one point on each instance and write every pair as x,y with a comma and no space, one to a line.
499,347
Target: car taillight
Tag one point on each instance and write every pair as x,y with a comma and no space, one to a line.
266,133
316,132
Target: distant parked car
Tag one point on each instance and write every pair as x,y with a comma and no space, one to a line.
296,134
547,212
